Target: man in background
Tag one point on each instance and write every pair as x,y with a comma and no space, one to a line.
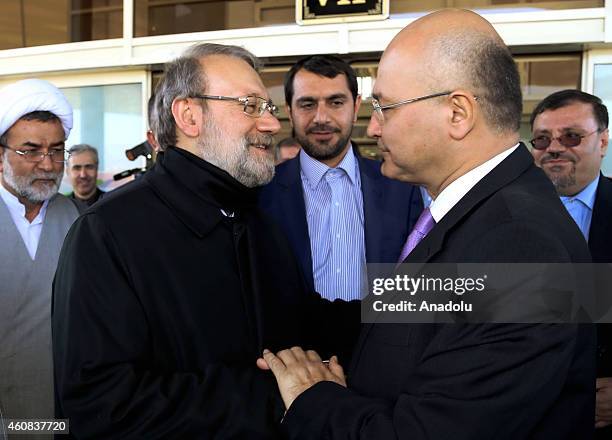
338,211
570,140
82,170
35,120
287,149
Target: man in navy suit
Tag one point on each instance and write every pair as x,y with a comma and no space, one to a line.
337,209
447,109
570,140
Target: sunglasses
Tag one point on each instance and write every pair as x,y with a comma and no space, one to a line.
568,140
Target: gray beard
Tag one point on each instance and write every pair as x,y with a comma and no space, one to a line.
563,181
233,156
22,185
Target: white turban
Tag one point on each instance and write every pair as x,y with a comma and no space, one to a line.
32,95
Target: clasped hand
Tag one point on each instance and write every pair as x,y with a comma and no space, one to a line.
297,370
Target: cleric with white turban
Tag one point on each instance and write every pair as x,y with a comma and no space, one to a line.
34,219
30,95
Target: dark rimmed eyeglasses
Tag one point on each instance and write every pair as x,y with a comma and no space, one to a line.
378,109
568,140
56,155
254,106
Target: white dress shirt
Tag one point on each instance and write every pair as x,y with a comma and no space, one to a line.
30,232
454,192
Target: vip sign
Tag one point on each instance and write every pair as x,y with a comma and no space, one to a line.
340,11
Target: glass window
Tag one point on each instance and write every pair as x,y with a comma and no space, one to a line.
110,119
163,17
27,23
398,7
543,75
602,87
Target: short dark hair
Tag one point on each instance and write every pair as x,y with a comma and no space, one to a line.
37,115
497,77
566,97
328,66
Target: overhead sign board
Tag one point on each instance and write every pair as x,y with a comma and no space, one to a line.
340,11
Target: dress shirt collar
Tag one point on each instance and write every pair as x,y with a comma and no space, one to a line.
454,192
17,209
586,196
314,170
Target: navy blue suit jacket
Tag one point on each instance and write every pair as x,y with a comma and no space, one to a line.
390,210
600,245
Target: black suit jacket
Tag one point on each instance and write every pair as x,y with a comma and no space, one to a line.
600,244
467,381
390,210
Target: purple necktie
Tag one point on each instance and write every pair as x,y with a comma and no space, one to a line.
424,224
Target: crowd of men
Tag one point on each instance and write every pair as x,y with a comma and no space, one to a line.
218,296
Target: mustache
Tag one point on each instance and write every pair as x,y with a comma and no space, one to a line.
555,156
45,176
322,128
260,139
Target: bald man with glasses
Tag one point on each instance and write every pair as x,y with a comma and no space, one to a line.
570,140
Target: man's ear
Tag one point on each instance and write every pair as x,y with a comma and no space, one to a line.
187,116
462,114
605,137
288,110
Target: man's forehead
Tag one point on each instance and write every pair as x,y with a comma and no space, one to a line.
228,75
312,84
35,128
572,115
82,158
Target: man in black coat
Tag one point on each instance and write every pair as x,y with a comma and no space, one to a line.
447,109
570,140
168,289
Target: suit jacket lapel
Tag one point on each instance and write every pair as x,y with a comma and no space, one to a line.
292,201
508,170
600,238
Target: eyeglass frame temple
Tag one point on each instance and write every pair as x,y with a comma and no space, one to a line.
408,101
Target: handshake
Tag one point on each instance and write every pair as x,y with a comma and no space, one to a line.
297,370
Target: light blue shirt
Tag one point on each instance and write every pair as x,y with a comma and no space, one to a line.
580,206
425,196
334,213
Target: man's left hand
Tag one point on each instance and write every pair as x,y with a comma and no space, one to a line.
603,402
296,371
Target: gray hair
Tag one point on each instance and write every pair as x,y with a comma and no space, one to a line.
82,148
184,77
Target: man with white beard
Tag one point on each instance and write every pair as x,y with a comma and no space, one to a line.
35,120
169,288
